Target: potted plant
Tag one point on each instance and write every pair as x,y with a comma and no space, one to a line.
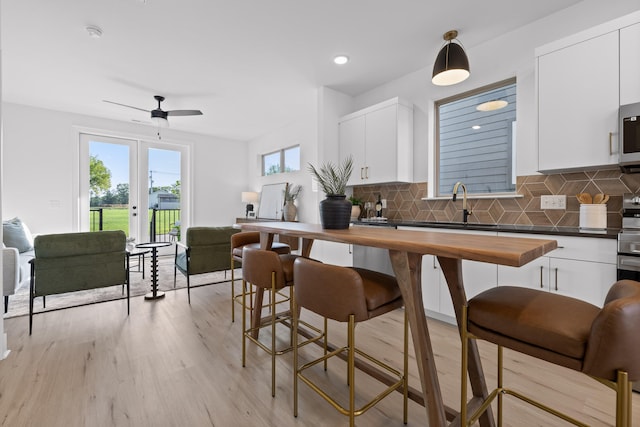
335,210
291,193
356,208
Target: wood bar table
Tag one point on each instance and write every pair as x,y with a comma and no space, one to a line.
406,249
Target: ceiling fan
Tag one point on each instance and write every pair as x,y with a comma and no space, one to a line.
158,115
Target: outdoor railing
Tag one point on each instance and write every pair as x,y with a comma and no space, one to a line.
96,218
164,225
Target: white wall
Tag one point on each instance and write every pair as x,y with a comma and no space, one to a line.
40,159
304,132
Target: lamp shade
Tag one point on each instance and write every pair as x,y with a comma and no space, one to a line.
249,197
452,64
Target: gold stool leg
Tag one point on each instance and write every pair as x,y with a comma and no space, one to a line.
233,292
623,400
244,322
350,370
294,314
272,303
325,345
464,338
500,378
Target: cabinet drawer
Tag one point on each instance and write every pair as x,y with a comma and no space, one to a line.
579,248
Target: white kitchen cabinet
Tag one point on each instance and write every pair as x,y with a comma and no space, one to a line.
581,267
477,276
630,64
578,101
332,253
380,140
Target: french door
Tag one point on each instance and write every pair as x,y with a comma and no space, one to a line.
136,186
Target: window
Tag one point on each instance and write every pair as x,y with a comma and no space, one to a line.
285,160
475,140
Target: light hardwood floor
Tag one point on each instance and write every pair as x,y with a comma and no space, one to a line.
171,364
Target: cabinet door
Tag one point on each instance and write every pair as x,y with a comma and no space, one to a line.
588,281
534,275
431,286
578,102
381,145
352,141
332,253
630,64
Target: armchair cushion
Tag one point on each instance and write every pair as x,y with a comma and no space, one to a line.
208,249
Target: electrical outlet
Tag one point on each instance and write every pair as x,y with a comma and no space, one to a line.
553,202
384,203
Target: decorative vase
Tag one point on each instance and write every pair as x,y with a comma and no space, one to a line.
290,211
335,212
355,212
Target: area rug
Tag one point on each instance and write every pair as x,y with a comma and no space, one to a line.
19,302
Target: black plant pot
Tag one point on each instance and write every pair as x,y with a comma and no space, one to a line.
335,212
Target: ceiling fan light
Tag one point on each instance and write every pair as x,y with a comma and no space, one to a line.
493,105
451,65
160,121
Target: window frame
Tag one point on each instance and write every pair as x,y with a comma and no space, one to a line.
281,164
435,175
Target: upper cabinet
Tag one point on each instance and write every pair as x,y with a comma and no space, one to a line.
578,105
630,64
380,140
581,82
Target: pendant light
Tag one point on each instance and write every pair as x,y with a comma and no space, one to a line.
452,64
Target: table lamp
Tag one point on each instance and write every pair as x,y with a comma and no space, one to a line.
249,197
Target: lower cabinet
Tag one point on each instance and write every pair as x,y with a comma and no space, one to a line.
478,276
332,253
581,267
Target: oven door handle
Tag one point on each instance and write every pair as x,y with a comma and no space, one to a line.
629,261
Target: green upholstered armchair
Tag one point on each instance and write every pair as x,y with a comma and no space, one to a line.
71,262
206,250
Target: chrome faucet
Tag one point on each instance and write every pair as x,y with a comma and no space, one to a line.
465,212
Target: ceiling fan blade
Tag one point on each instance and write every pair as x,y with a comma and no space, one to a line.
125,105
184,113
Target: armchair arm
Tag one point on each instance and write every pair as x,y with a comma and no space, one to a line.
10,271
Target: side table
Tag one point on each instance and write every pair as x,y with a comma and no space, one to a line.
154,294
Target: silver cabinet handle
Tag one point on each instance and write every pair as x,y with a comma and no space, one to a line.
361,173
610,143
556,278
366,170
434,263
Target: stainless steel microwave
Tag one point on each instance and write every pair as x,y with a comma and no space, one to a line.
629,128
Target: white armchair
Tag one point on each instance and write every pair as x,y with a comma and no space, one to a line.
10,273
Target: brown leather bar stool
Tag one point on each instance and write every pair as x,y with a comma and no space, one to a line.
239,241
347,295
272,272
600,342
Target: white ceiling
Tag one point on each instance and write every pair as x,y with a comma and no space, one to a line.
251,66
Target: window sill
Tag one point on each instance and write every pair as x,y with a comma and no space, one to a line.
478,196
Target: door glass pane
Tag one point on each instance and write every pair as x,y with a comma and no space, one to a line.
164,195
109,186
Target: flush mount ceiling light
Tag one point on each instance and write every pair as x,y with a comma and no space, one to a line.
94,31
493,105
341,59
452,64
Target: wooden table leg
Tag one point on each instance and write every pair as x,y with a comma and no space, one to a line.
407,268
452,269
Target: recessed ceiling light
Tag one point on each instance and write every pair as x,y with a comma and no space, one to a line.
476,127
94,32
341,59
492,105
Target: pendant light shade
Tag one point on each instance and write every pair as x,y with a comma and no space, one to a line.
452,64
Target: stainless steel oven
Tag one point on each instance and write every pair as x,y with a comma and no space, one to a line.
629,128
629,239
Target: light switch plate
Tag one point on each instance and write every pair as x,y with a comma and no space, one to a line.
553,202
